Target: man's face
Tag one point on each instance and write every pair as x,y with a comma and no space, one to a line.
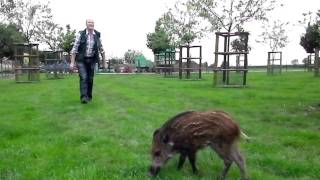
90,24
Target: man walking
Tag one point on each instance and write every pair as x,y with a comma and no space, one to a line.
85,53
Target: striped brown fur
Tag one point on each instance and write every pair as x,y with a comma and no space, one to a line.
190,131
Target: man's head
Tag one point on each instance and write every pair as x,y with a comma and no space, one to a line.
90,24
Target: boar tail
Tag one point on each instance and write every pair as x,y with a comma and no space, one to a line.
244,136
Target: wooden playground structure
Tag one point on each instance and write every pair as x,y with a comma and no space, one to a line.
26,62
180,63
233,70
187,70
274,65
309,63
166,63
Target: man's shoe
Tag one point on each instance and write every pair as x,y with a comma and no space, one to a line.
84,100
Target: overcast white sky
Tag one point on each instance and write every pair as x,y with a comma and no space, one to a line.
125,23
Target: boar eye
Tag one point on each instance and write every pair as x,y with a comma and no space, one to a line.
166,139
157,153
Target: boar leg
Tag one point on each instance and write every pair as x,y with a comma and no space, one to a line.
227,164
224,154
182,160
238,158
192,159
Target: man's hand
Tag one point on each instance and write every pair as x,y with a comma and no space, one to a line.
104,64
72,59
72,65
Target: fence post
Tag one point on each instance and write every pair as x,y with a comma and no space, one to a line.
316,62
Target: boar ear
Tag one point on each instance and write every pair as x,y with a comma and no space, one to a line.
156,132
166,139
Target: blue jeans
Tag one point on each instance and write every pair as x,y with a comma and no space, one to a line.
86,73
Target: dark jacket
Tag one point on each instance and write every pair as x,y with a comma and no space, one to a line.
83,44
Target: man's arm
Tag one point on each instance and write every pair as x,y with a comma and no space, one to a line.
102,52
72,59
74,50
104,64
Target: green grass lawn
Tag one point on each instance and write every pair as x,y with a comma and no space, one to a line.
45,133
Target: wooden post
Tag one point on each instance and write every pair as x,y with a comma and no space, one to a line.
246,69
1,66
224,61
280,62
188,61
245,63
215,65
180,62
16,64
228,59
200,65
309,62
237,62
316,62
268,65
139,66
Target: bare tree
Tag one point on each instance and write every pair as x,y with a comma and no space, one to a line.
182,24
48,32
26,15
274,35
309,18
231,14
